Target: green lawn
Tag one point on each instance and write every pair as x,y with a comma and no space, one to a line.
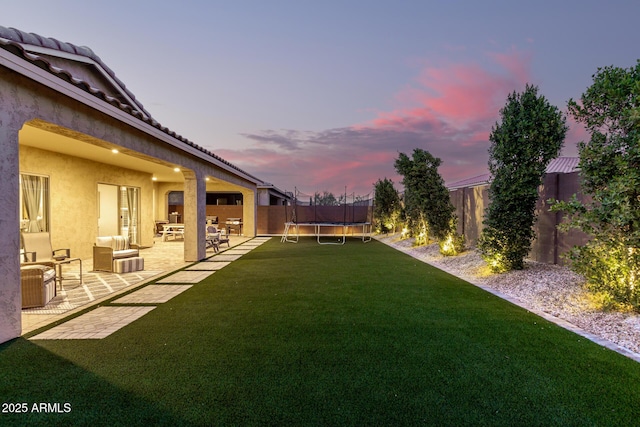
303,334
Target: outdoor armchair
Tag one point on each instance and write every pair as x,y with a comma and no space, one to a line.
110,248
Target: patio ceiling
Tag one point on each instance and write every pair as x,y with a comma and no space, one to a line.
39,138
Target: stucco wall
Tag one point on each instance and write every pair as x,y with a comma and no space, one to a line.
73,188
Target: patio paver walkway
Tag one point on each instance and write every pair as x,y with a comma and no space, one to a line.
208,266
97,324
186,277
152,294
239,251
224,257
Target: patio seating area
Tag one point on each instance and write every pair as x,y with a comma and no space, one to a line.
73,295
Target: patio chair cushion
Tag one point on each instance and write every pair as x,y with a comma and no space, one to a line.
117,243
126,253
48,273
120,243
128,264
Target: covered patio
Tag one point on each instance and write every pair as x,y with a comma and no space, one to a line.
78,145
161,259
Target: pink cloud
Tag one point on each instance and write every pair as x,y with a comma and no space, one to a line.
516,63
447,109
459,93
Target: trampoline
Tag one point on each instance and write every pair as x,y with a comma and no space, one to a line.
331,224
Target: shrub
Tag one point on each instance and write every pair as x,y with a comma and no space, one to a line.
387,206
428,207
610,174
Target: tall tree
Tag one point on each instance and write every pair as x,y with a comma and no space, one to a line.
387,207
610,174
529,136
427,201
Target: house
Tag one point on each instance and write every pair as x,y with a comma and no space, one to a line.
82,157
561,181
270,195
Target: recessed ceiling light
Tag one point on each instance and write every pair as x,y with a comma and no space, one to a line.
115,151
176,169
153,178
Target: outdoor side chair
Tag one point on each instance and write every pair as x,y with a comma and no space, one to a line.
213,238
224,237
38,249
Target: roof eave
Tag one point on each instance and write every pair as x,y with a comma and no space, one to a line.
37,74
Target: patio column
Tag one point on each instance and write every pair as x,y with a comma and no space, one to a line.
249,213
10,290
195,208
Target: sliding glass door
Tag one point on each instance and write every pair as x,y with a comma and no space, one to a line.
119,211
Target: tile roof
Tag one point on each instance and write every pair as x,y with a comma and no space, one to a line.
12,40
557,165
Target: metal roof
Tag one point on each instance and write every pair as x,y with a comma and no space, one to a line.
557,165
563,165
475,181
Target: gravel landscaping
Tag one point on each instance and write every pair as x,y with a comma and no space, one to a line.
546,288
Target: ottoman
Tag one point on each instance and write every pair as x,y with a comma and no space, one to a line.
126,265
38,285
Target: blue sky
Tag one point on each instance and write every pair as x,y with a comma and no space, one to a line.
324,95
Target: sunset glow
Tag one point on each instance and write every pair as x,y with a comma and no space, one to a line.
326,96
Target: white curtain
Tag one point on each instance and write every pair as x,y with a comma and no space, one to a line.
34,199
132,211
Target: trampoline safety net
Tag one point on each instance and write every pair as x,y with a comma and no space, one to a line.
331,220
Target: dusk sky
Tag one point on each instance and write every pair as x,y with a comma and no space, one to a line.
323,95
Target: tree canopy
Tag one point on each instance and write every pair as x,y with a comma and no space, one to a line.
530,134
610,173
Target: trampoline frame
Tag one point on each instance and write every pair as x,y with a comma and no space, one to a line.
366,231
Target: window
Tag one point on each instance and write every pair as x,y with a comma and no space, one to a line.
34,203
223,198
